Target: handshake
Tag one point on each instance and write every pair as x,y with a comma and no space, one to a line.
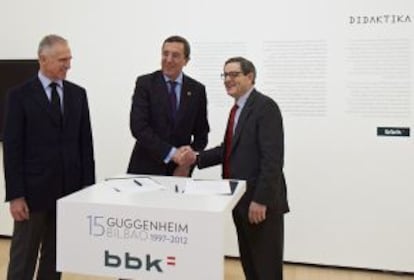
184,157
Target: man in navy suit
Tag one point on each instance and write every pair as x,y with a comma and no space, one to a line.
48,153
168,115
253,150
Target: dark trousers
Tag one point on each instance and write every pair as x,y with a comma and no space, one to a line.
28,236
261,246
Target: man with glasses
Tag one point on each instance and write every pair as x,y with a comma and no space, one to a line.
168,115
253,150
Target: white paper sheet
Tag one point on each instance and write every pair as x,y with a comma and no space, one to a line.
207,187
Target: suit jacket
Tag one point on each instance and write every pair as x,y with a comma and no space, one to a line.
45,158
256,154
154,129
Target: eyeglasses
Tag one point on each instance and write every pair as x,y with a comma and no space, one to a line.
174,55
232,75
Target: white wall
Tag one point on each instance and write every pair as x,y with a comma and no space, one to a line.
336,82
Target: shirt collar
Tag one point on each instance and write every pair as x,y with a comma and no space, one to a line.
242,99
46,81
179,79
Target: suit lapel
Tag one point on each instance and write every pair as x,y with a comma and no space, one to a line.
40,96
162,89
185,97
68,106
245,113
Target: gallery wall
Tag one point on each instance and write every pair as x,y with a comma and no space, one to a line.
341,71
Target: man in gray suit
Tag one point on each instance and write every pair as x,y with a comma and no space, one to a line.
253,150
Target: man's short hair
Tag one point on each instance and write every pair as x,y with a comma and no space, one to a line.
179,39
246,65
48,41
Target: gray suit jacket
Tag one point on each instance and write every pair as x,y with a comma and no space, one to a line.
256,154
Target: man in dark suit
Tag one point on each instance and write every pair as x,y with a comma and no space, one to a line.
168,114
253,151
48,153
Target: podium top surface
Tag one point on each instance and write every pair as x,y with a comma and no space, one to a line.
161,192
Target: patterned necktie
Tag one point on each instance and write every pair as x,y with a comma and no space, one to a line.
173,98
55,102
228,142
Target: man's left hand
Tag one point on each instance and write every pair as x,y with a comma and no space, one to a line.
257,213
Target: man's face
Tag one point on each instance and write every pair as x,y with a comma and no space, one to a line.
235,82
173,59
55,61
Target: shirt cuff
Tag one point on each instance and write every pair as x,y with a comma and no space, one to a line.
168,158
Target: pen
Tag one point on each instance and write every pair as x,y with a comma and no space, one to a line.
117,190
177,190
124,178
137,182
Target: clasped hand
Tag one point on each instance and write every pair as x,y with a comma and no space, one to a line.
185,157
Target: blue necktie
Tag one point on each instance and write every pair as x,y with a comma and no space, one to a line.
173,98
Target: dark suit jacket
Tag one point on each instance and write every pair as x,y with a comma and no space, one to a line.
257,154
155,131
43,158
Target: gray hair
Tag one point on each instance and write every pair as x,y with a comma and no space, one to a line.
49,41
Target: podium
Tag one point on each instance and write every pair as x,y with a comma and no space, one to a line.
145,227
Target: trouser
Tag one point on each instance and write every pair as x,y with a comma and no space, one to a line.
28,236
261,246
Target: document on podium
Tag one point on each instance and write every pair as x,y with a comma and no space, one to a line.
207,187
134,185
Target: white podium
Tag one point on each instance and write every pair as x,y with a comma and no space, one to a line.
140,230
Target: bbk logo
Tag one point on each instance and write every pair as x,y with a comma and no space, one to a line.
133,262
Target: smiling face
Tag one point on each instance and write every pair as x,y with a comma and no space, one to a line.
55,60
173,59
235,81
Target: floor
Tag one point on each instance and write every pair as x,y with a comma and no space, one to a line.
233,271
